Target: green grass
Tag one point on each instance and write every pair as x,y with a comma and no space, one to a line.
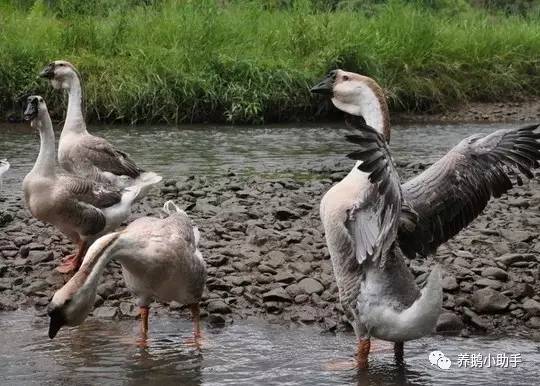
253,61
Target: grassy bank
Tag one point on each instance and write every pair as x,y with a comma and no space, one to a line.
252,61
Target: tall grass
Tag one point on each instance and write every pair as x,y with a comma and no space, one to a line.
253,61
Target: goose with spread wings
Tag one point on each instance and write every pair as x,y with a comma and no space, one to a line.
372,222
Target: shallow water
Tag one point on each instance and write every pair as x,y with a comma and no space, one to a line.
245,353
248,352
215,150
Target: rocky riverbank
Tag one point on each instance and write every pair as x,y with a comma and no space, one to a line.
264,245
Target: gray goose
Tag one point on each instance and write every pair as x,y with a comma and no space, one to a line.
372,222
80,208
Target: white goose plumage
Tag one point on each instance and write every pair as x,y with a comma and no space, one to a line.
372,222
160,260
85,154
80,208
4,167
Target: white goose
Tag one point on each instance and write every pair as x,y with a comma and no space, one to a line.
85,154
159,259
80,208
372,222
4,167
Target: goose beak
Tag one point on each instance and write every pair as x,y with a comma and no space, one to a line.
326,85
31,110
47,72
56,323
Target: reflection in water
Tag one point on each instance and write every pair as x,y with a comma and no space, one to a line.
246,353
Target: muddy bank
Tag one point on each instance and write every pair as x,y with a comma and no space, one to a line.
263,242
524,111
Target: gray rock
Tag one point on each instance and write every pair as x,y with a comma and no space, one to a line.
512,258
449,322
310,286
40,256
284,277
516,236
284,214
105,312
495,273
277,294
485,282
487,301
216,320
534,322
449,283
531,306
218,307
476,320
128,309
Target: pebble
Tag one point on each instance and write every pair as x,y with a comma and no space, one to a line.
310,286
487,301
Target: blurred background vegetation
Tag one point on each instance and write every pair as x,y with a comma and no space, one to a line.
252,61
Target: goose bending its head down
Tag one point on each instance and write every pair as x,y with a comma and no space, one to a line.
80,208
85,154
372,221
160,259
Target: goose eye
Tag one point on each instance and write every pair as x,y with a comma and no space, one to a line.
345,78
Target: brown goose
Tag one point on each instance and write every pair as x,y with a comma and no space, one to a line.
85,154
372,221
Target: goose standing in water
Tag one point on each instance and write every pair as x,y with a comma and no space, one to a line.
160,259
372,221
80,208
85,154
4,167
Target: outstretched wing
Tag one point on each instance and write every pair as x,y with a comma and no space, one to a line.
106,157
454,191
374,223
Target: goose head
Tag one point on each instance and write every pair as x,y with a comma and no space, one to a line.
70,305
61,74
36,109
357,95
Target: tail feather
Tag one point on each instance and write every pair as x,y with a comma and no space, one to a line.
145,182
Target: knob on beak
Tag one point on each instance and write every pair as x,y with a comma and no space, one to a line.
326,85
47,72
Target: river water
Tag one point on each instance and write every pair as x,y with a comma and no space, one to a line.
247,352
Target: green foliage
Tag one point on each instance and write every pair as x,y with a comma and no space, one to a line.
253,61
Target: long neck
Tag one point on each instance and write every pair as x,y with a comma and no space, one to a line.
75,111
46,159
374,109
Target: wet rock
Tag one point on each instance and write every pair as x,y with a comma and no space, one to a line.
7,304
284,277
516,236
476,320
495,273
531,306
513,258
36,286
284,214
302,298
277,294
128,309
449,283
218,307
310,286
105,312
216,320
495,284
534,322
37,257
22,240
449,322
487,301
273,307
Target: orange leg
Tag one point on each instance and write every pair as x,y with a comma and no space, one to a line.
195,313
363,353
72,262
144,320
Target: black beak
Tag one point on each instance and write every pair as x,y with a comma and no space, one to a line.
326,85
56,322
31,110
47,72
